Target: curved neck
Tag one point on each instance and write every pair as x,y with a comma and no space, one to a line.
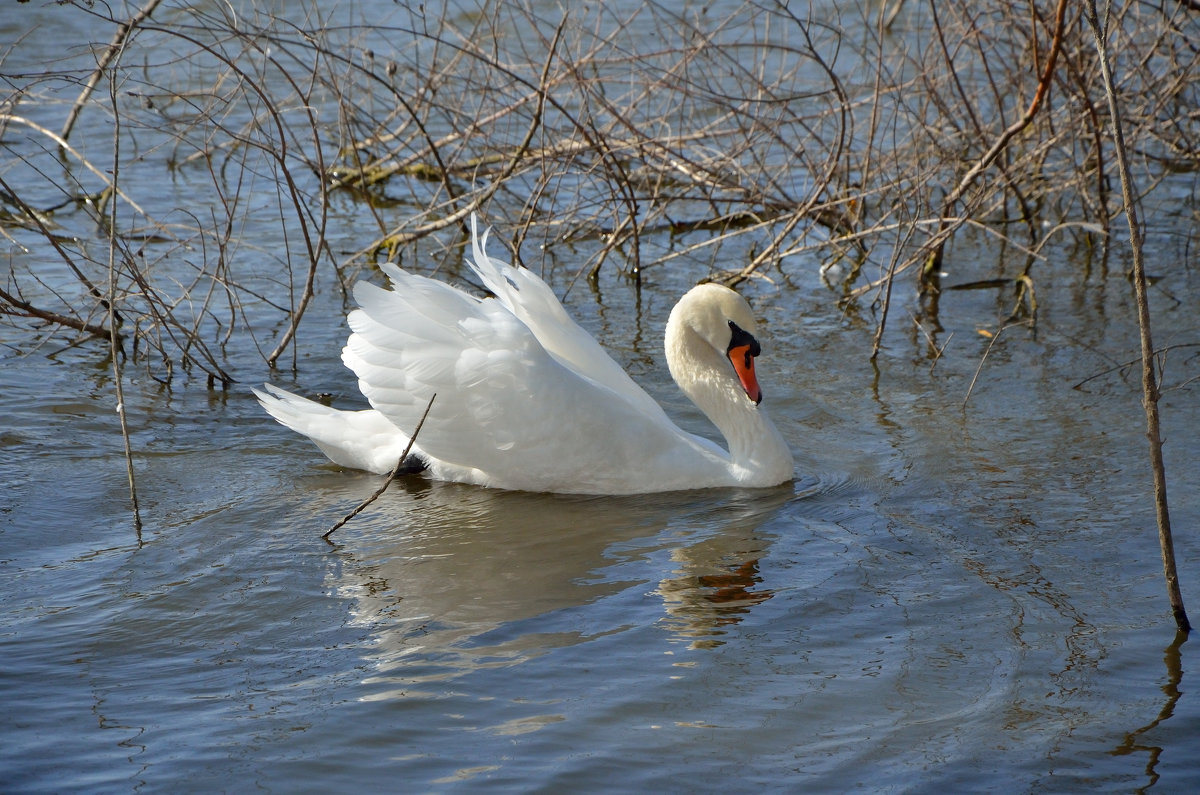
758,453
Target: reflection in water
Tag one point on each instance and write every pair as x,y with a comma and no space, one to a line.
1133,740
716,583
468,578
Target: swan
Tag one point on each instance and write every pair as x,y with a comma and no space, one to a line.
527,400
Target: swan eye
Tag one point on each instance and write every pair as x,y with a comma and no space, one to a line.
741,352
739,338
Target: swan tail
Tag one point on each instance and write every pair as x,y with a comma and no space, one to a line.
355,439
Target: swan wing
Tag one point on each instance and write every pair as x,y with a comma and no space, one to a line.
532,301
506,409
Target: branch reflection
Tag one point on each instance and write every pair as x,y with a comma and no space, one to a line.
1134,742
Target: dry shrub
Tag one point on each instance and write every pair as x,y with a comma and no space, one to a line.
745,134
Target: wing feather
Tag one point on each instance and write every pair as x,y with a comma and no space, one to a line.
532,301
505,406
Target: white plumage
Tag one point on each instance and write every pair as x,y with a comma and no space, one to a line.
526,399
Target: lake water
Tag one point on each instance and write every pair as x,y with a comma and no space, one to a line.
962,591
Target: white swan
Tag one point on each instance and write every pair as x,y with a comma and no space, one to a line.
527,400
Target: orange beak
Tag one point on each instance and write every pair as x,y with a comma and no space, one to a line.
742,358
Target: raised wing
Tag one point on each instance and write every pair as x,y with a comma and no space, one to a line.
532,301
504,404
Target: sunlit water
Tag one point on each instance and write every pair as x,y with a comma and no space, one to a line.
945,598
949,597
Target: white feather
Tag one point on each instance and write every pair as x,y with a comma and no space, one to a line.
526,399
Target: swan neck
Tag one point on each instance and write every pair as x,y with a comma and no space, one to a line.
707,378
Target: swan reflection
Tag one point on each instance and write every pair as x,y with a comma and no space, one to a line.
454,579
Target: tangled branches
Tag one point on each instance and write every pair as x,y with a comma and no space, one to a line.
731,143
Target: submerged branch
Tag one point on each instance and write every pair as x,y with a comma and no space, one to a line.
27,309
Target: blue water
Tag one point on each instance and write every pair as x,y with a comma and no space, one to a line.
894,624
962,590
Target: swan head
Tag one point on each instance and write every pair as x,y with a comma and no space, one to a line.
709,324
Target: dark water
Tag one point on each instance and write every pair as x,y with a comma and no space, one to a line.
956,594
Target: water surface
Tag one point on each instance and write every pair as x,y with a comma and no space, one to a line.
960,592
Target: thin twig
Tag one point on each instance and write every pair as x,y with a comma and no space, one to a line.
391,475
886,300
114,340
1150,392
1127,365
992,340
7,118
934,260
115,47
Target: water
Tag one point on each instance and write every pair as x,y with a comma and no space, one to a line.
850,631
957,594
